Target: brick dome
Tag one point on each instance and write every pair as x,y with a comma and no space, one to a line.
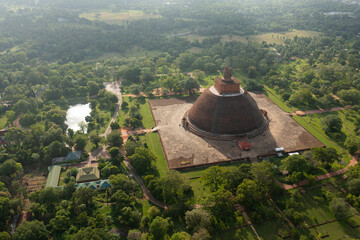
231,113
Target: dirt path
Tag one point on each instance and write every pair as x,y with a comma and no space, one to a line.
326,110
352,163
146,192
113,87
250,223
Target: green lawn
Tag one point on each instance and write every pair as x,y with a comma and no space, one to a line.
154,144
347,117
3,121
268,230
145,206
315,212
314,128
277,99
337,230
147,122
62,176
245,233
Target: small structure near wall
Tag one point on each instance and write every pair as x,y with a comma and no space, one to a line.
244,145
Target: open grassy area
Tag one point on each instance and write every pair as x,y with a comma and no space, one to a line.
347,117
62,176
119,18
315,129
268,230
241,233
315,212
154,144
272,37
148,121
336,230
3,121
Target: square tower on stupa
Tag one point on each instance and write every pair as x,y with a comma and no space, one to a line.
227,83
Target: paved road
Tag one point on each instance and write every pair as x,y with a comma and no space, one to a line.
146,192
352,163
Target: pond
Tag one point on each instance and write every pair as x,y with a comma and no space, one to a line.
76,114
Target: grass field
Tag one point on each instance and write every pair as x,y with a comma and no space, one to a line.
119,18
147,121
347,117
268,230
272,37
241,233
3,121
154,144
337,230
314,212
315,129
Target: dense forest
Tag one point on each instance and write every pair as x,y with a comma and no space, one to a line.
54,54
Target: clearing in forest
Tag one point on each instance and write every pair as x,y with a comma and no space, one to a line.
119,18
272,37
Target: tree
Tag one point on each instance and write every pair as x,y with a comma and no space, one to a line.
340,207
31,230
10,168
201,234
142,160
124,183
214,177
80,142
295,163
114,126
196,219
181,236
158,228
95,139
325,155
189,84
114,152
249,193
174,189
130,147
93,88
354,186
5,236
134,235
332,123
263,172
4,206
352,143
302,97
90,233
252,72
114,139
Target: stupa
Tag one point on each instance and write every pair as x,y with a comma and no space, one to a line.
225,111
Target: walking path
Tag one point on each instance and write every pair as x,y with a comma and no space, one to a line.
113,87
326,110
352,163
250,223
146,192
